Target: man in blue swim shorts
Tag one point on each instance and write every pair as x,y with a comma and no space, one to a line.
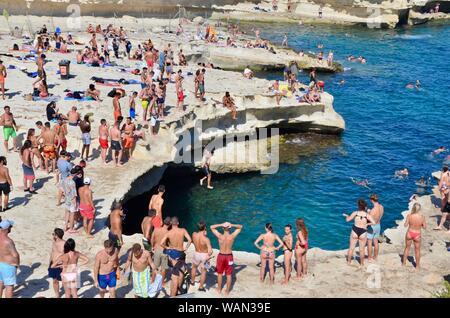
105,269
9,260
374,230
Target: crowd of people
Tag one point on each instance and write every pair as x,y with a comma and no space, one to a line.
161,258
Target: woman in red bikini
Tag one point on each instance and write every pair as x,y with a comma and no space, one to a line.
268,251
301,247
414,222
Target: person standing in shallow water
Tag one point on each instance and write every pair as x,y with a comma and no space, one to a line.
415,221
374,230
268,252
359,231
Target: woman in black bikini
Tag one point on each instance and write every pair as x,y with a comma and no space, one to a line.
288,242
359,230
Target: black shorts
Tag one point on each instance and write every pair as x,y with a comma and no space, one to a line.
446,208
5,188
113,237
206,171
115,145
179,267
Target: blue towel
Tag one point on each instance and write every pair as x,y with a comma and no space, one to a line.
132,82
84,99
46,99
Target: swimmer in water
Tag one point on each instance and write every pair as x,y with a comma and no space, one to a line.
363,183
422,182
341,82
409,86
441,149
403,173
418,84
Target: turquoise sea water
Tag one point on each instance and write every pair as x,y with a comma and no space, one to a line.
388,127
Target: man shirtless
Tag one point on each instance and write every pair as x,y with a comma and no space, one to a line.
103,133
147,229
225,262
105,269
161,260
87,208
85,127
93,93
9,260
374,230
444,189
51,142
415,222
202,255
116,106
3,75
127,131
156,203
115,218
57,251
141,262
73,119
179,89
9,128
61,130
173,243
93,41
228,102
146,96
116,146
5,185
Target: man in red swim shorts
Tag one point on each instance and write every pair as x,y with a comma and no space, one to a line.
87,209
103,132
225,261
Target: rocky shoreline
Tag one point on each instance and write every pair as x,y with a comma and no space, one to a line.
367,13
37,215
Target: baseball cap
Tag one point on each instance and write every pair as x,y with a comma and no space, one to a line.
6,224
87,181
